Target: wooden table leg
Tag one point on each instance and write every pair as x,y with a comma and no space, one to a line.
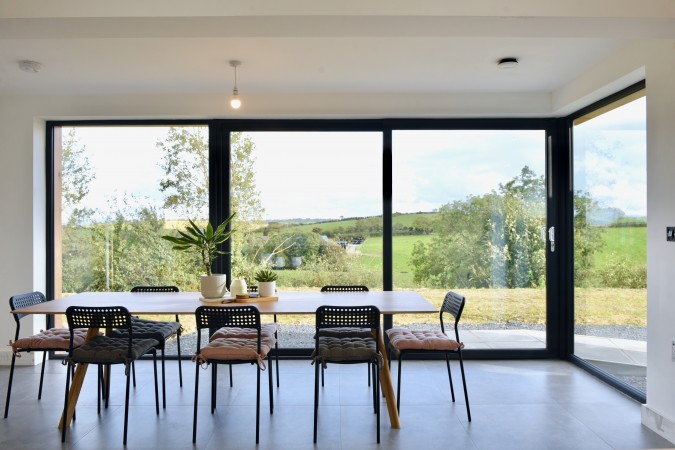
76,386
387,386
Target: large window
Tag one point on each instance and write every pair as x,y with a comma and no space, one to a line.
118,190
610,239
469,208
308,205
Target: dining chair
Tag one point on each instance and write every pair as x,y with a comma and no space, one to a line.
403,341
105,350
51,340
250,347
353,331
346,348
269,329
160,331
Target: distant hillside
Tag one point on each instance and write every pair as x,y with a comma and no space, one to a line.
401,219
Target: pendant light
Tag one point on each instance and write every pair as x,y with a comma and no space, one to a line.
235,103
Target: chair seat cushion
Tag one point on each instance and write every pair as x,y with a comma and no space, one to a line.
230,349
148,329
104,349
340,349
52,339
267,330
346,332
405,339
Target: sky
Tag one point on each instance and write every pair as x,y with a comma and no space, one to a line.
320,175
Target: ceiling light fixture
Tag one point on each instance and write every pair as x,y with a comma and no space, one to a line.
235,102
30,66
507,63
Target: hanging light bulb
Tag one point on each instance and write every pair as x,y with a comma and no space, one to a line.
235,103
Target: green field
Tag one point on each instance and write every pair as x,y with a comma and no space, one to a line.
628,241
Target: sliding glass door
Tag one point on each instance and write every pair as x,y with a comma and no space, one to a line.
610,239
470,213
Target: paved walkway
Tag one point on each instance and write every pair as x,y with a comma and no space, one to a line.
617,356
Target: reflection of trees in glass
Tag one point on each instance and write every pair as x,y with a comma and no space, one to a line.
494,240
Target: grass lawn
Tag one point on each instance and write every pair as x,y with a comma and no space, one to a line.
371,251
630,242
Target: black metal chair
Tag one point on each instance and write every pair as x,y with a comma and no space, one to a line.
403,341
250,348
346,348
51,340
354,331
267,329
106,350
160,331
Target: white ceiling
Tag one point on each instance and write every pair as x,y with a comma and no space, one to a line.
310,47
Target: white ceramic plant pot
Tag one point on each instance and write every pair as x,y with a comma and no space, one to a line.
214,286
238,287
267,288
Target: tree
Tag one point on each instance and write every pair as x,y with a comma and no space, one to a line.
488,241
76,175
185,163
186,184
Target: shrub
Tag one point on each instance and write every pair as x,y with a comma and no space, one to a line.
620,272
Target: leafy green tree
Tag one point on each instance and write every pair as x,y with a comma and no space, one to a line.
185,163
76,175
487,241
186,185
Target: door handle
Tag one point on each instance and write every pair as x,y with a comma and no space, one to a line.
551,238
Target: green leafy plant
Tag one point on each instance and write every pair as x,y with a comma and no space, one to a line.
265,275
203,241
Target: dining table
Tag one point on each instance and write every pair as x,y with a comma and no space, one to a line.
286,303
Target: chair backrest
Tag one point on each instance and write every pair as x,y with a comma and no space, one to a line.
453,304
214,317
24,300
347,316
344,288
155,289
98,317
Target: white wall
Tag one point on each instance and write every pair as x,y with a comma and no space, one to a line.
659,413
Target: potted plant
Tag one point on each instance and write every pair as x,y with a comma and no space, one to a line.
267,282
205,242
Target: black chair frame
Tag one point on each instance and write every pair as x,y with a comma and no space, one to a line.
347,317
212,318
344,288
22,301
107,317
162,343
453,304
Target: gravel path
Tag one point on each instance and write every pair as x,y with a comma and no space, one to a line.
299,336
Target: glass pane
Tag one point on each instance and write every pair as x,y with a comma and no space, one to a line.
118,190
309,207
610,242
469,209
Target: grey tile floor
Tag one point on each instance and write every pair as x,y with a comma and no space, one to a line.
514,405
